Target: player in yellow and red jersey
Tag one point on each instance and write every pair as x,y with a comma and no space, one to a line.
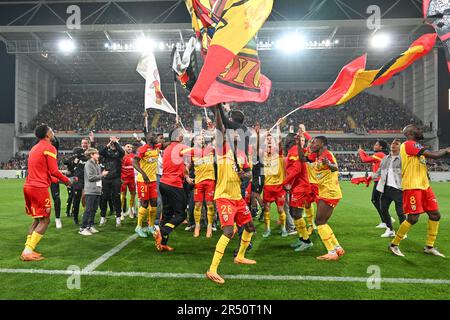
327,175
231,169
128,180
203,160
418,197
146,162
275,174
381,150
42,171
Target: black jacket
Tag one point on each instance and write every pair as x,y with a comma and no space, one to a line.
112,161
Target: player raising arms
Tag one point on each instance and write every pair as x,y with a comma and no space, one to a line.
145,162
418,197
203,161
329,196
230,204
128,181
275,173
42,169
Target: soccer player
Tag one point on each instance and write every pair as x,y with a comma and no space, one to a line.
128,181
203,161
381,150
418,197
42,166
231,169
275,174
297,184
330,194
145,162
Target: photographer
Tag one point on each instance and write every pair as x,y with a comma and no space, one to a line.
111,158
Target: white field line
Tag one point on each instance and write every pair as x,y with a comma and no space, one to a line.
94,264
157,275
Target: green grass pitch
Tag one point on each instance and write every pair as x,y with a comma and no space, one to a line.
353,222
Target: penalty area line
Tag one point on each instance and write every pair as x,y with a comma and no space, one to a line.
162,275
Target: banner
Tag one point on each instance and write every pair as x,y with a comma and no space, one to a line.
185,68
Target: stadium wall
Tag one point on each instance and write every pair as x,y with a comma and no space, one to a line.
6,145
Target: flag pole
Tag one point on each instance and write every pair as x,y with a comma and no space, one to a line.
176,104
290,113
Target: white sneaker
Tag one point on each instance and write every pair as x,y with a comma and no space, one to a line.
189,228
102,222
388,233
433,251
93,230
381,226
396,250
85,232
214,228
58,223
122,216
118,222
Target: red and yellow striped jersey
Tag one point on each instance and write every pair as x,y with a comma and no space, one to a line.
414,166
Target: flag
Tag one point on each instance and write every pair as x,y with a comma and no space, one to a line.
437,14
231,71
360,180
354,78
154,98
185,69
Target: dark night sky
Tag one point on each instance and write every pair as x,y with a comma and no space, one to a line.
7,75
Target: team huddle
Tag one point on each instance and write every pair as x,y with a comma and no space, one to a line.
229,167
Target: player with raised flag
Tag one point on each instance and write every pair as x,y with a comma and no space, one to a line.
42,170
418,197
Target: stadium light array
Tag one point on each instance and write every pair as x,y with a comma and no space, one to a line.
144,45
380,41
291,43
66,46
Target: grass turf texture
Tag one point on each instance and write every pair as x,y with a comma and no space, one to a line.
353,223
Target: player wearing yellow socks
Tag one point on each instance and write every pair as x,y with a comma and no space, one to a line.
231,168
146,162
275,173
418,197
330,194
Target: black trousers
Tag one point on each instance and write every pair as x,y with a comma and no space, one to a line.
391,195
77,194
54,188
174,209
110,191
376,195
92,202
69,201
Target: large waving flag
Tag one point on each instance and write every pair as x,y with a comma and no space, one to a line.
154,98
231,71
185,68
354,78
437,14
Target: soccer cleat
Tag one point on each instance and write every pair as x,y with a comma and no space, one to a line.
158,239
189,228
118,222
284,233
340,251
396,250
209,232
214,228
102,221
122,216
329,257
433,251
244,261
303,246
266,234
197,232
382,225
150,230
58,223
85,232
214,277
296,244
33,256
92,230
140,232
388,234
165,248
292,232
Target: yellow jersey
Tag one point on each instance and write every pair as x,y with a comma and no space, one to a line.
414,166
228,184
327,180
203,160
148,161
274,169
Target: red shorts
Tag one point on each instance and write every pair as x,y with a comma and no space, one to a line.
274,194
37,202
302,199
130,184
204,191
331,202
147,191
315,189
231,211
419,201
248,194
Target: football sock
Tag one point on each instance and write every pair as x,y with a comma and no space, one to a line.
123,199
218,254
325,234
197,215
402,231
33,242
283,220
310,215
245,242
267,219
141,215
300,225
432,231
152,216
210,214
132,198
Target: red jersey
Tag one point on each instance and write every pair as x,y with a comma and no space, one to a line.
42,166
296,171
173,165
375,160
127,168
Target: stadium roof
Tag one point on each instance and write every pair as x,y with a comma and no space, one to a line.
105,52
